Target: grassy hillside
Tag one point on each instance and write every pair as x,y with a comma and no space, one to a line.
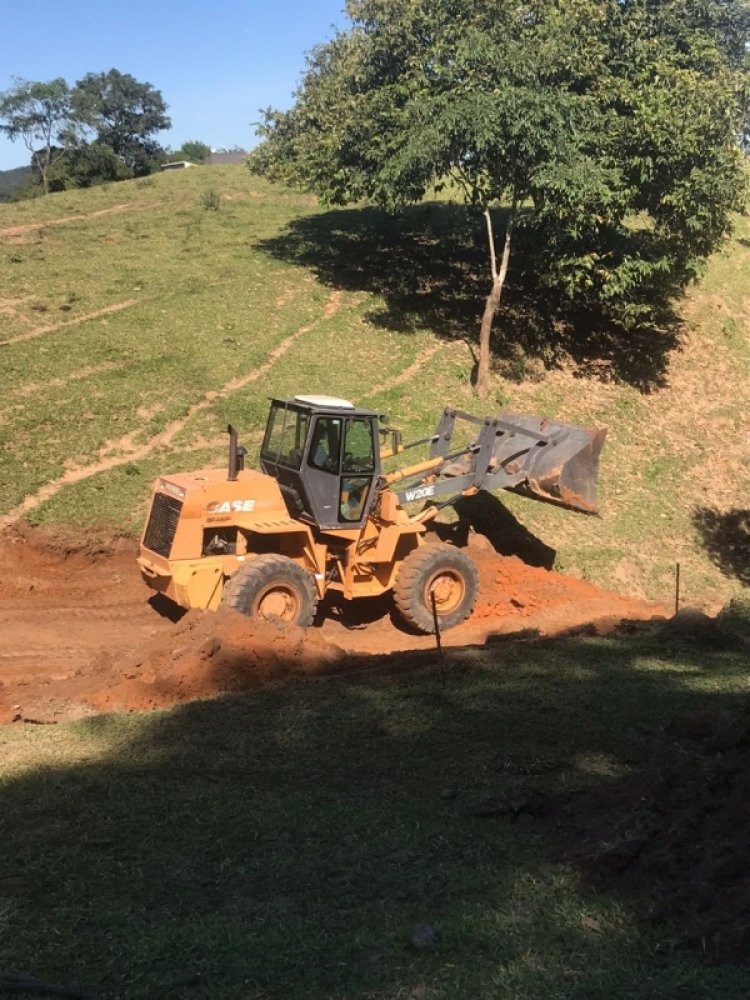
139,318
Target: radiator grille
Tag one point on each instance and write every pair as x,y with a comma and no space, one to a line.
162,524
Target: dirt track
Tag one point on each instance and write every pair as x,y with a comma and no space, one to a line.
79,633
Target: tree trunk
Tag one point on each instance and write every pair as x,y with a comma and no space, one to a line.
492,303
43,169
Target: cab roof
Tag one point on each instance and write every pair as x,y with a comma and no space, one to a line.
328,402
325,404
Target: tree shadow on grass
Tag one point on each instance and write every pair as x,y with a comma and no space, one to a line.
429,265
341,837
726,539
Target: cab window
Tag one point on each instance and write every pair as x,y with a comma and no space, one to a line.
286,432
354,493
326,444
359,451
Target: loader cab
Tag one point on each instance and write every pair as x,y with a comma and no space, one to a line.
324,454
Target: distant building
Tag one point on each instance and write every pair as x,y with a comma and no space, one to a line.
177,165
222,159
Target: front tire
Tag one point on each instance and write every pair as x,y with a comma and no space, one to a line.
440,569
272,588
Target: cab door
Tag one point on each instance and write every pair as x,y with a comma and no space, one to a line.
323,468
340,467
357,471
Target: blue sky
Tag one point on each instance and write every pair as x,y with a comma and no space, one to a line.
216,63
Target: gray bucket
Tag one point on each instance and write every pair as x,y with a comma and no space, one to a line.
558,463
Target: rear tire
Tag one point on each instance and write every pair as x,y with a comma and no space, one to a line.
272,588
444,570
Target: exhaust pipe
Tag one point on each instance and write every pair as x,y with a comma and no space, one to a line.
236,455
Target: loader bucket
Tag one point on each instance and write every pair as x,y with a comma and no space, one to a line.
559,462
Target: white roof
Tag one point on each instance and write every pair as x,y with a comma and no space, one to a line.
331,401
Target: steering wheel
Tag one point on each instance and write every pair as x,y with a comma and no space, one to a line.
350,464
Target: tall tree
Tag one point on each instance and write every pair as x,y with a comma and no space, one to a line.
40,114
123,114
193,150
608,126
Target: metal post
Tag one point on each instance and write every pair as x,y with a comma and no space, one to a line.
438,642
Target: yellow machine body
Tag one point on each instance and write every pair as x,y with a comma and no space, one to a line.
219,525
323,515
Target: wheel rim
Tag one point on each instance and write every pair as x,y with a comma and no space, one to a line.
449,588
277,601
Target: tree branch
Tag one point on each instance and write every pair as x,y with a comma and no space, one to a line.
460,178
491,241
506,246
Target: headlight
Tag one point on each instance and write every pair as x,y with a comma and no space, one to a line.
176,491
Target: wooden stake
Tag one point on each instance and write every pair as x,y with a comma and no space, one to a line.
438,642
676,588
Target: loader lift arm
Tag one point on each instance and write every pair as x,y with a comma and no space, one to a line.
554,463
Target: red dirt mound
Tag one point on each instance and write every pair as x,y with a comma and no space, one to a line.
81,634
201,657
513,597
63,602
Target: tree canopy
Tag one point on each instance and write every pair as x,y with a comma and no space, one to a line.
193,150
101,129
40,115
608,127
123,114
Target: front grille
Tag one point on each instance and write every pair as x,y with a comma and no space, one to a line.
162,524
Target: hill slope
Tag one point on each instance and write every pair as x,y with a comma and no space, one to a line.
138,319
11,181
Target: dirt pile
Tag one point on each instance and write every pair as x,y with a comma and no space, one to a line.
201,657
676,833
81,632
514,597
510,587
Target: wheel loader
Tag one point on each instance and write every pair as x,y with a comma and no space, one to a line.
322,514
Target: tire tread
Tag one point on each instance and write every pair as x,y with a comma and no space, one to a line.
242,584
422,562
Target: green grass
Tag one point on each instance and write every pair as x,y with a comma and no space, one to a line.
287,844
208,293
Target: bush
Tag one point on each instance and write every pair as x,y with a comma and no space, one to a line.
211,200
735,616
88,165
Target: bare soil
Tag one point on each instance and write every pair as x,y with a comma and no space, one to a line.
81,634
